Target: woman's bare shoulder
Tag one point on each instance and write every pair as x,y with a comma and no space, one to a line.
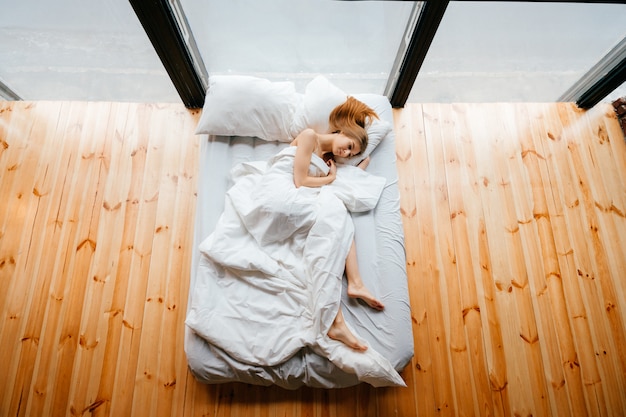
307,136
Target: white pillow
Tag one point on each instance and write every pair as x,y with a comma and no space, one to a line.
320,98
237,105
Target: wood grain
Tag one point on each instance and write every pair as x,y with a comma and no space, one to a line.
515,232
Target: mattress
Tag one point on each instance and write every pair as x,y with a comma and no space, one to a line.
380,251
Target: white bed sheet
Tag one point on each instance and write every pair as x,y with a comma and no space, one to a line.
380,249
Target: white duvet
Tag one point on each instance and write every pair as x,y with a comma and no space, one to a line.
269,281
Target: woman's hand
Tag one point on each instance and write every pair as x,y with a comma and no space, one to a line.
332,173
364,163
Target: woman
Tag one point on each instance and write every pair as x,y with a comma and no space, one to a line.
267,291
348,138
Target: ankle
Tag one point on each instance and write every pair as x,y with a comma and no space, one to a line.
338,321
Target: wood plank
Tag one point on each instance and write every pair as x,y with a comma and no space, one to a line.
22,216
478,289
601,233
81,252
147,378
6,111
436,264
518,210
93,329
533,168
403,136
131,163
16,119
69,134
183,246
466,219
180,262
617,141
604,186
514,232
608,339
28,260
200,399
453,270
11,157
366,400
150,153
47,234
558,261
514,379
17,123
44,134
409,129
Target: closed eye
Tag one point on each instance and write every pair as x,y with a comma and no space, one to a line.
353,149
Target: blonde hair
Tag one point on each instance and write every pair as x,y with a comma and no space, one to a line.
351,118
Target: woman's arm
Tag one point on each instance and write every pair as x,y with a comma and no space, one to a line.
306,143
364,163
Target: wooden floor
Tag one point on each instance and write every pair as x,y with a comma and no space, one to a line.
515,220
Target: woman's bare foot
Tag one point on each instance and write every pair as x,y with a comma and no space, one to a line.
360,291
339,331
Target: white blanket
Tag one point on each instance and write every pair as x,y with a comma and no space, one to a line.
270,277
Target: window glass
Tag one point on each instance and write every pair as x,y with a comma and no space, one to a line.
353,43
510,51
482,52
79,50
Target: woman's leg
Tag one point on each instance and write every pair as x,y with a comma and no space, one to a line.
339,331
356,288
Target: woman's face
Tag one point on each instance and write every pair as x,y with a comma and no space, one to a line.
345,146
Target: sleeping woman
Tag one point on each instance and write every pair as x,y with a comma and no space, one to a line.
270,277
348,138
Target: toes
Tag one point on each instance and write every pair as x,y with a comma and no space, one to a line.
369,300
357,346
345,337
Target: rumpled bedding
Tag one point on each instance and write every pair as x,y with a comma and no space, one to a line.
270,276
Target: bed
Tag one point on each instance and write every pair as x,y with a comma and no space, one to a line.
246,120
